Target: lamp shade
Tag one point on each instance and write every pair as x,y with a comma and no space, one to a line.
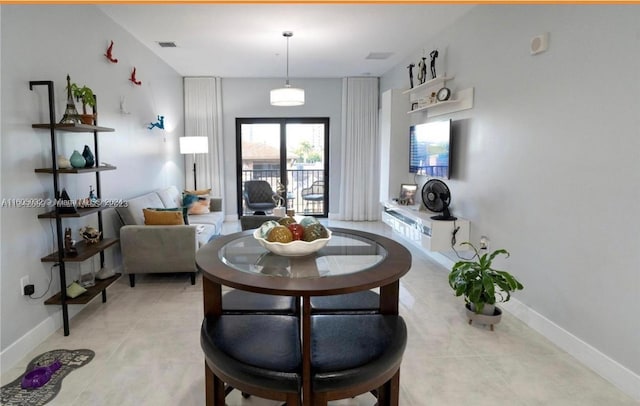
287,96
194,145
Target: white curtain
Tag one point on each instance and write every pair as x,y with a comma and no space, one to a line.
359,186
203,118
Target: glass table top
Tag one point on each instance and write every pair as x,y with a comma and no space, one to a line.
344,254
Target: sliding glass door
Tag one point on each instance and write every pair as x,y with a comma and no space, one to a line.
291,154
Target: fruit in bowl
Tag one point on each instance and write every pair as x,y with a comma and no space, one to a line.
294,239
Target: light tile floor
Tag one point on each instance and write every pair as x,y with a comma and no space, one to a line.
146,341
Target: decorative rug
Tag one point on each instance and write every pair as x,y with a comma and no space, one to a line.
12,393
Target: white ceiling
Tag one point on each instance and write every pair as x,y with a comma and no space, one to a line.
245,40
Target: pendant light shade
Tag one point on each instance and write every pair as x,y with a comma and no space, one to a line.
287,95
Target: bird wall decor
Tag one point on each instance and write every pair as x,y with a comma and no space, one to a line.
133,78
109,54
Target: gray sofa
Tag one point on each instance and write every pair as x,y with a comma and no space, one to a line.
164,249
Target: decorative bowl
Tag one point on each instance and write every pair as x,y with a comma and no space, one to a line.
297,248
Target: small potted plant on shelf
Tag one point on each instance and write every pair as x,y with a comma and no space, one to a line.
84,95
482,286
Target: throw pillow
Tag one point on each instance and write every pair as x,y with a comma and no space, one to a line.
198,192
162,218
196,204
201,206
183,210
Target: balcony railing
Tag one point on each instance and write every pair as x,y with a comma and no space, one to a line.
297,179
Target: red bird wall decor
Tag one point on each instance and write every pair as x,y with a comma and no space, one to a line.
133,78
109,54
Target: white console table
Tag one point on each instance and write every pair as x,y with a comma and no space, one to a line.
418,228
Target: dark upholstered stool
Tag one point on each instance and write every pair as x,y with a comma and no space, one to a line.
354,354
358,302
240,302
256,354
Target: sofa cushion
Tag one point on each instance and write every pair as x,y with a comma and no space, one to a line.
170,197
204,233
132,214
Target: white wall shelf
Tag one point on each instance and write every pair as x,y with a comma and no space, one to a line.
462,100
418,228
428,84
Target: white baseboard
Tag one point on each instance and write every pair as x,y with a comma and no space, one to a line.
611,370
619,375
15,352
12,355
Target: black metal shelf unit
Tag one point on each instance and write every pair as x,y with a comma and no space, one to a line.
85,251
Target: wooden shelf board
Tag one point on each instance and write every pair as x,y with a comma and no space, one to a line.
85,251
74,128
86,297
81,212
78,170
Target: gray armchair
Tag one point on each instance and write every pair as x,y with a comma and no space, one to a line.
259,196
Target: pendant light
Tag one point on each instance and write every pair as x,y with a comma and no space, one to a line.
287,95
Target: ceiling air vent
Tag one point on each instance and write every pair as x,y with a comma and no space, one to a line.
167,44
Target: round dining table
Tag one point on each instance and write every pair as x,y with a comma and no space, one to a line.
352,261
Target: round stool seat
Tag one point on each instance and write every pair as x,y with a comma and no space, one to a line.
254,351
354,350
358,302
240,301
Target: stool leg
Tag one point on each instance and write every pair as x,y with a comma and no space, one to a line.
293,399
214,388
389,393
319,399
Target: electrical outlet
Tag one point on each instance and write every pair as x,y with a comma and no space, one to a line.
484,242
24,281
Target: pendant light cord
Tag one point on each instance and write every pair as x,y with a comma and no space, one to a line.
287,35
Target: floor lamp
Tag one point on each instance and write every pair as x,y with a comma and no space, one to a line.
194,145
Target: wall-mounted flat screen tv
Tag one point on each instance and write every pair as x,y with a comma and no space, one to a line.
429,146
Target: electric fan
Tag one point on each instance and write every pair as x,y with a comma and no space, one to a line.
437,197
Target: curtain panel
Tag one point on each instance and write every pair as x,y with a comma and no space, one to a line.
203,118
359,149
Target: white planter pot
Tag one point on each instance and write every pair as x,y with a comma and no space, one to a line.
486,319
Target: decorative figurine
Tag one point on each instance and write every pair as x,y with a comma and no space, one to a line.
71,115
70,249
93,199
422,74
411,65
90,234
434,55
159,124
133,78
109,55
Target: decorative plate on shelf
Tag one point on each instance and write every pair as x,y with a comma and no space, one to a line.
297,248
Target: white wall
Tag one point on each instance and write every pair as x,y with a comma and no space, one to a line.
547,162
46,43
245,98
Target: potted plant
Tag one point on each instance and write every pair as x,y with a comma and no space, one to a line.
482,286
84,95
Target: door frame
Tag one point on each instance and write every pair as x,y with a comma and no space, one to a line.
283,121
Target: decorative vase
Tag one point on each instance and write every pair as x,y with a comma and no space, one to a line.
77,160
63,162
88,157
